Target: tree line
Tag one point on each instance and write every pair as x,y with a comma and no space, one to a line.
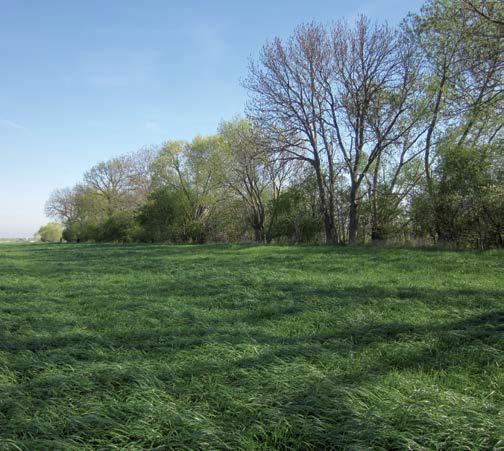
352,133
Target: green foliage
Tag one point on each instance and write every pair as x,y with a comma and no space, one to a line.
194,231
391,216
81,232
89,211
51,233
465,205
71,232
240,347
120,227
243,169
164,215
410,147
294,220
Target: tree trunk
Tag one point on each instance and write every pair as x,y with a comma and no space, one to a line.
258,226
375,231
329,228
331,206
257,234
330,232
353,222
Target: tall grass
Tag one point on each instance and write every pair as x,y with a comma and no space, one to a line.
243,347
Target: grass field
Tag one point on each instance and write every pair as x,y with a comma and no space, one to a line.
236,347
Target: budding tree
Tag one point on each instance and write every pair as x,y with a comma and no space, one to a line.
336,99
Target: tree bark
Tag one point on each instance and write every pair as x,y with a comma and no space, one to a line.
353,223
258,235
375,230
329,228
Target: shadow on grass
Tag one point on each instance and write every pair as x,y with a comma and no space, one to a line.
191,331
324,415
178,334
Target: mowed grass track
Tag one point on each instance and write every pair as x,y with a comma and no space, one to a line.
242,347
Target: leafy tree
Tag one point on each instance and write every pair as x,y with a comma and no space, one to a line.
243,170
189,169
163,217
461,76
119,228
353,133
464,205
51,233
297,215
89,211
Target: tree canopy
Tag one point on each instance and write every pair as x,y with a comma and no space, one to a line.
352,133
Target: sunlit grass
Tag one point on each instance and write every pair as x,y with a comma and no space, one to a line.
236,347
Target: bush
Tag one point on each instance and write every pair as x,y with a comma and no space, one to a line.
81,232
121,227
293,220
51,233
464,205
163,217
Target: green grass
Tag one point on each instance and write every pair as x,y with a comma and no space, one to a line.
242,347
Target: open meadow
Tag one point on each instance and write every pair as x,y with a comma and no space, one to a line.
250,347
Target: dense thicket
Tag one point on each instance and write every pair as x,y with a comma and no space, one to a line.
50,233
353,134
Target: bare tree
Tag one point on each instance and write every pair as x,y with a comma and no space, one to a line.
395,174
369,100
141,177
112,180
336,100
288,102
61,204
78,206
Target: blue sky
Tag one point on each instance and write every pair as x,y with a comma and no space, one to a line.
82,81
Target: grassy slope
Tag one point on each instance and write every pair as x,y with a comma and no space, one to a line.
245,347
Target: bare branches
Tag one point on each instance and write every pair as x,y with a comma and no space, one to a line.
112,180
338,97
61,205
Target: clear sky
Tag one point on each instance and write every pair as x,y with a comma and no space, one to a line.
81,81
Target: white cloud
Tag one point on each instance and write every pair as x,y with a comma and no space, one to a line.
11,124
